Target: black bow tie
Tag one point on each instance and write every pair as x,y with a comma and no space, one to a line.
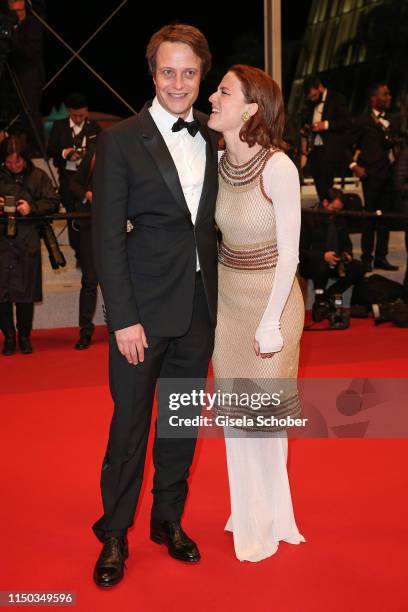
191,126
382,115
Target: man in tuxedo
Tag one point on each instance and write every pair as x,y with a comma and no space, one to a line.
326,123
374,135
69,140
156,175
81,187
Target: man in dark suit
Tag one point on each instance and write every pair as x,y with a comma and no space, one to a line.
156,173
326,123
374,135
326,251
81,187
401,187
69,140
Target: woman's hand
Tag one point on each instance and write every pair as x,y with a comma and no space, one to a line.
23,207
258,351
268,341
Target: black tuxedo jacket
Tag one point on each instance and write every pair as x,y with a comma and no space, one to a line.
372,144
335,111
61,138
148,275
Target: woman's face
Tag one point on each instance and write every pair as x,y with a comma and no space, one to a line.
15,163
228,105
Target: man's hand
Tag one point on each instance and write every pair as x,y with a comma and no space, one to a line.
359,171
23,207
319,126
70,154
331,258
131,343
88,196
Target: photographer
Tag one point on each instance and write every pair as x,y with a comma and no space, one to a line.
26,59
20,250
69,140
326,252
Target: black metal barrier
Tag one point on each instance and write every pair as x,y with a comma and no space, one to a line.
312,211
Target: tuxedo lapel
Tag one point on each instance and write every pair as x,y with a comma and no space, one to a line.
209,161
326,106
68,137
156,146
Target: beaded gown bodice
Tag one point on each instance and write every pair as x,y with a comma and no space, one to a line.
244,213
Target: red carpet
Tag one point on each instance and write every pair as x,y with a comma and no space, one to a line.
350,496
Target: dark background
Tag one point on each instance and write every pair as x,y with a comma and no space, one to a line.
234,32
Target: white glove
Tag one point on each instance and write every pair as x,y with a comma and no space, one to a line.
269,338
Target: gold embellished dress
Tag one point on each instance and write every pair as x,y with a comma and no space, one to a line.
258,214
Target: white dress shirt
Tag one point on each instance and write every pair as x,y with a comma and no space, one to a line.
385,124
317,117
188,153
76,129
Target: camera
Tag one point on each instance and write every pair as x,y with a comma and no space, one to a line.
331,310
338,316
79,152
341,266
10,210
309,135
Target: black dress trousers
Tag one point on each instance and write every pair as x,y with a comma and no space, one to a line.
133,389
89,282
378,195
323,170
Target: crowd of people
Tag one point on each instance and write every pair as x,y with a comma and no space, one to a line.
370,146
71,145
332,144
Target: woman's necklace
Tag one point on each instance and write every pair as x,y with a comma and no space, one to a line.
245,173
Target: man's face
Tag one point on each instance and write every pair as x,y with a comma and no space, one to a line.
314,93
177,77
78,115
18,6
382,98
336,204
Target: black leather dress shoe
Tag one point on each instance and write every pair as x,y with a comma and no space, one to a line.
384,264
179,545
83,342
9,346
110,566
24,345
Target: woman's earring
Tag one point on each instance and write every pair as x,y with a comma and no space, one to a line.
245,116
